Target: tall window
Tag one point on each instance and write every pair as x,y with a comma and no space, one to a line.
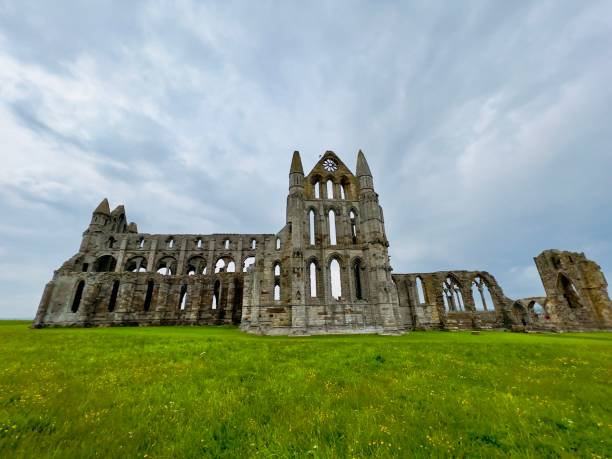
77,296
248,262
353,220
199,243
342,192
183,298
216,293
483,301
277,273
453,299
220,265
357,275
113,297
278,243
226,244
313,279
336,280
332,227
149,295
330,189
311,221
253,244
420,291
317,190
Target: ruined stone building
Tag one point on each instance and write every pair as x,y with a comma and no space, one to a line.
326,271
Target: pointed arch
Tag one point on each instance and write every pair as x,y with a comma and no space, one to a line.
183,298
483,300
353,222
420,290
248,262
335,276
113,298
312,267
312,226
216,294
357,279
78,295
332,227
196,265
452,295
166,266
568,291
329,186
136,265
105,264
220,265
149,295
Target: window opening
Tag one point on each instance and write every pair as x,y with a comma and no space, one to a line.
149,295
336,280
113,297
313,279
77,296
332,227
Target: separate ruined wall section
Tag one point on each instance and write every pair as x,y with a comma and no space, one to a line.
452,300
576,292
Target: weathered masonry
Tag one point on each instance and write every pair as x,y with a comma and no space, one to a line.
326,271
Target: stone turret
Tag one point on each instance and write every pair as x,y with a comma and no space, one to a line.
101,215
371,212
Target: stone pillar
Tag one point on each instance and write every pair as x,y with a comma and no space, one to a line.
181,261
121,256
151,258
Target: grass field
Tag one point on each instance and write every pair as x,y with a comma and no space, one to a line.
193,392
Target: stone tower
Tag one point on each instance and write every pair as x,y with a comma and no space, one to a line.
336,276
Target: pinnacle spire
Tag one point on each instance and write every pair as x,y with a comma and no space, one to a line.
103,208
362,165
296,164
118,210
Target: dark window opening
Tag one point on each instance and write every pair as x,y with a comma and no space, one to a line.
357,269
183,298
77,296
149,296
113,298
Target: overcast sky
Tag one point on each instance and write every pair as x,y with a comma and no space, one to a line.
487,125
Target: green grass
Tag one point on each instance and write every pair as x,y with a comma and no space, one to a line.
193,392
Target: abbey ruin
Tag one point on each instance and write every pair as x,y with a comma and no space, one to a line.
326,271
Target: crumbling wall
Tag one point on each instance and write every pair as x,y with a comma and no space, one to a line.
431,310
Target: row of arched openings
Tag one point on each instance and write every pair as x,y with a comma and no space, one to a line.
78,296
328,189
195,265
199,243
331,225
452,294
335,276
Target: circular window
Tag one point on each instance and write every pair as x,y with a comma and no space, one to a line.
330,165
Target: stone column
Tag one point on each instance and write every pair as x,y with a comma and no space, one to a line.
151,258
121,255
